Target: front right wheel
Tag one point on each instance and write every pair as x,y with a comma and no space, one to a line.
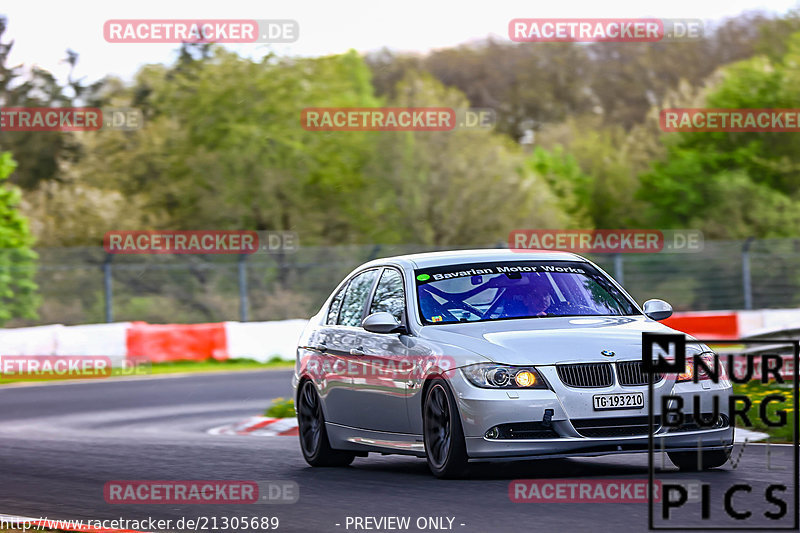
445,448
314,442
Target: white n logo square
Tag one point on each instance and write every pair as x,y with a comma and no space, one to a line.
663,353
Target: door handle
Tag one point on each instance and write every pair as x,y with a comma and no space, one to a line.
357,351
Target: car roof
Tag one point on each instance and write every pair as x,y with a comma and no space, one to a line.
454,257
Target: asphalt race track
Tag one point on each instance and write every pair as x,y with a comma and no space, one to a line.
60,444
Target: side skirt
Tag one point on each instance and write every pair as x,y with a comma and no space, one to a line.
361,440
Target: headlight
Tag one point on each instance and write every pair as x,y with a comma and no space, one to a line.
708,358
688,372
492,376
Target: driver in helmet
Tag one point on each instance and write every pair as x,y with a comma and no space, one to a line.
535,301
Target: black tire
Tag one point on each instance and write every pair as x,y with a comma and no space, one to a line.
445,447
687,461
314,441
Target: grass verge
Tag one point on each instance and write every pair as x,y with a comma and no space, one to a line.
281,408
757,391
212,365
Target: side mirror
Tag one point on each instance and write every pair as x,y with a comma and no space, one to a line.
657,309
382,322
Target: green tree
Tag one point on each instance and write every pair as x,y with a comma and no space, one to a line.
18,296
457,187
532,85
594,168
564,176
223,146
39,154
756,173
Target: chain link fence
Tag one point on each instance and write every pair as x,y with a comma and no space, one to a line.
86,285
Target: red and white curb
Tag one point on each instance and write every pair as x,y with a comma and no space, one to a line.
259,426
37,524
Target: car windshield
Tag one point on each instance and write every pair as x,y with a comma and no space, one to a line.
529,289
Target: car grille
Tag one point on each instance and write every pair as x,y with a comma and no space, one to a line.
631,373
628,426
585,374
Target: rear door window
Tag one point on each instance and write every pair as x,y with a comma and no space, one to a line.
336,304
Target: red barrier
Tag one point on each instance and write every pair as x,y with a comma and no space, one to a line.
723,326
174,342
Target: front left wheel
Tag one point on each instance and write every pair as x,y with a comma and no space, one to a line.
314,442
445,448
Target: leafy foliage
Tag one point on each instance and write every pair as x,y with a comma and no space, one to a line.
18,296
735,185
281,408
575,145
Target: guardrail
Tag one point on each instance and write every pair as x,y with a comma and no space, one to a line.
782,349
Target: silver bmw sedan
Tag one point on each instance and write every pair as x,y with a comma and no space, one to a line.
497,354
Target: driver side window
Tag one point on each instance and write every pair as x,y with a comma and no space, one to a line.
389,295
355,298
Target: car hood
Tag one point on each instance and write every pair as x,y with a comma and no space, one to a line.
550,340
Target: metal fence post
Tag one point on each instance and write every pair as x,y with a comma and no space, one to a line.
107,288
243,305
747,287
619,274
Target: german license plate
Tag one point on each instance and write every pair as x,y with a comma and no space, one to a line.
628,400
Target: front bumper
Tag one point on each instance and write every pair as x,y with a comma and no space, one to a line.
481,447
563,431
